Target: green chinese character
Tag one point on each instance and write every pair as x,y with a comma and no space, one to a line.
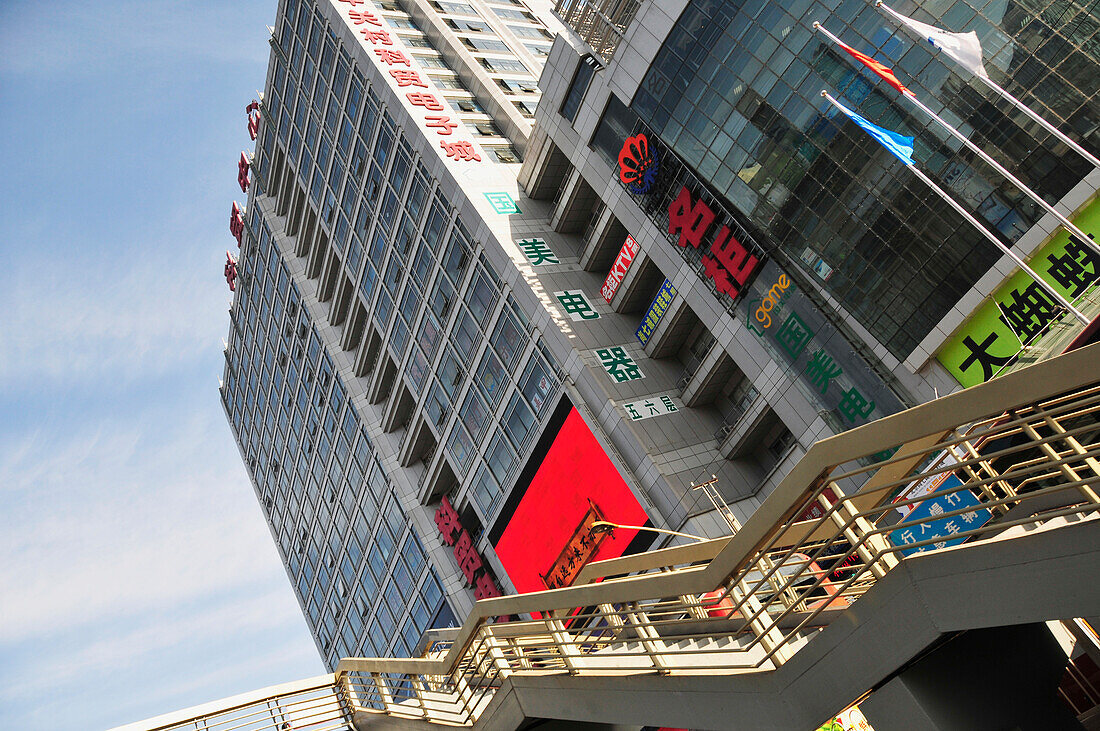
576,305
793,335
537,252
821,370
620,366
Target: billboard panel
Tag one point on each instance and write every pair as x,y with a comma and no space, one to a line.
542,537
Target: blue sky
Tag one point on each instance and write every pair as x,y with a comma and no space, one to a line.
137,575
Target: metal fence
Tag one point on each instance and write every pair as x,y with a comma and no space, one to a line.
1013,454
601,23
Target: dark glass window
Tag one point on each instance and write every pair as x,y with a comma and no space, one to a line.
577,87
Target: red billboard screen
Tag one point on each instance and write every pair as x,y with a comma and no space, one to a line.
542,538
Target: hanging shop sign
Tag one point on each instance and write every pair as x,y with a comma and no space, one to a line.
469,560
655,313
619,269
231,272
399,66
236,222
580,547
727,262
821,360
253,112
1021,311
242,172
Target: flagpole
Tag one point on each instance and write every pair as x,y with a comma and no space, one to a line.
1016,102
1065,222
958,208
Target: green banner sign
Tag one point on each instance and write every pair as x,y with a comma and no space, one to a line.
1020,310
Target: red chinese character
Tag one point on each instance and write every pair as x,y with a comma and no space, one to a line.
690,220
407,78
485,587
363,16
426,100
446,519
441,122
236,222
376,36
460,150
352,3
469,560
242,172
391,57
253,125
729,263
230,272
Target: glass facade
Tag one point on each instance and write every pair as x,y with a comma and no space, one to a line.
332,170
735,92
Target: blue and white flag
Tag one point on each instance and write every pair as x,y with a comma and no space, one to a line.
965,48
900,145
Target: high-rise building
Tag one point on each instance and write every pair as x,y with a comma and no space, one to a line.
466,329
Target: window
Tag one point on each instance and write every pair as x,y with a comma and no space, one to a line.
485,129
514,14
433,62
504,154
538,49
502,65
582,77
469,26
615,125
415,41
526,31
526,108
485,44
518,86
469,106
456,8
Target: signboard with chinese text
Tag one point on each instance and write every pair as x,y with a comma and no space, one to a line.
502,202
576,305
618,364
420,97
537,252
470,562
619,269
818,356
1020,310
656,311
941,527
649,407
567,476
582,546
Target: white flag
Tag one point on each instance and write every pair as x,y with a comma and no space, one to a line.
965,48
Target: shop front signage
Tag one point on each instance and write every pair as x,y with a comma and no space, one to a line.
578,550
619,269
727,262
647,408
1020,311
236,222
428,105
470,562
795,332
655,313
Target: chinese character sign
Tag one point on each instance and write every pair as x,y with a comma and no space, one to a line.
1021,311
537,252
231,272
580,547
253,112
424,101
619,269
649,407
242,172
923,524
469,561
236,222
726,262
817,355
576,305
656,311
503,203
619,365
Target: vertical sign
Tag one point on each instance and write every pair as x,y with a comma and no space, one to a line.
619,269
656,311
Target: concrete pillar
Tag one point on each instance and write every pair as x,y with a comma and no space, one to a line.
996,678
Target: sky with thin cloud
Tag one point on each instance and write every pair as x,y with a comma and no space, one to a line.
137,575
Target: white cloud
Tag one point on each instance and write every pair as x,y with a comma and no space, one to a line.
120,520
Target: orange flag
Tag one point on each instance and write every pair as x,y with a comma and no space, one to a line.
883,71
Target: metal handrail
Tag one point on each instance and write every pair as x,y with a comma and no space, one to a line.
1026,449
